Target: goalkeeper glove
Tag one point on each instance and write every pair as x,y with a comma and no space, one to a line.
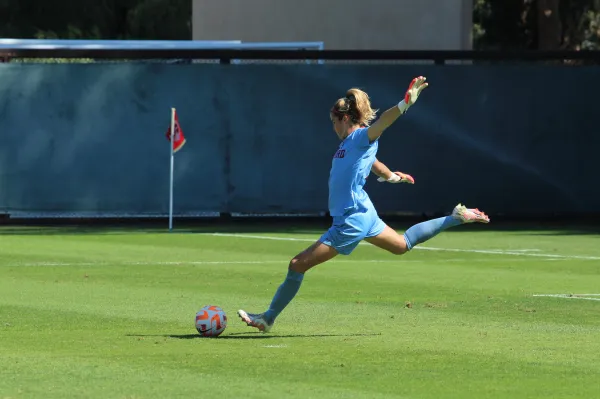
397,177
412,94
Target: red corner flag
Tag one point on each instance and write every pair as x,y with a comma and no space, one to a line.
178,139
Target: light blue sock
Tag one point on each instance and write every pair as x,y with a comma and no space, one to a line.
424,231
284,295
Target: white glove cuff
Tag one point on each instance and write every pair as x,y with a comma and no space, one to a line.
403,106
394,178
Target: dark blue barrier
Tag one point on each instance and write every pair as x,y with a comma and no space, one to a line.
90,137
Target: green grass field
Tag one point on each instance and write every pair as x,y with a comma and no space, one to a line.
110,314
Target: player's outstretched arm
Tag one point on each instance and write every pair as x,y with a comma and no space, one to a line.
385,174
388,117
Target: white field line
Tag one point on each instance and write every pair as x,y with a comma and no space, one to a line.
476,251
166,263
250,262
188,263
525,253
571,296
519,250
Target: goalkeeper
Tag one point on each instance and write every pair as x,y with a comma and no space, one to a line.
354,216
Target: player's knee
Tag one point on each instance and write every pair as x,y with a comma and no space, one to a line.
399,250
296,265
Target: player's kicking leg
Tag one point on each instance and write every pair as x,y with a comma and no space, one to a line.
398,244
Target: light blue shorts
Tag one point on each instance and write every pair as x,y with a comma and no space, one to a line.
348,230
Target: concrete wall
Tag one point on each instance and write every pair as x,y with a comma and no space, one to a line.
341,24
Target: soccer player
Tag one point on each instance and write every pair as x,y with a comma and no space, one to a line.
354,216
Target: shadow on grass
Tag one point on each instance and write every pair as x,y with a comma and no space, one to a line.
253,335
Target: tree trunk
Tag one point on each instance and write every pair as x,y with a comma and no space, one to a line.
549,27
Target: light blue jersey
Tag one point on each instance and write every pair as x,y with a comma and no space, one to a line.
350,167
354,216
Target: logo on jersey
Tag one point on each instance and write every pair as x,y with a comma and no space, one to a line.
340,154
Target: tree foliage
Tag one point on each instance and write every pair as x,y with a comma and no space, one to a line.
96,19
536,24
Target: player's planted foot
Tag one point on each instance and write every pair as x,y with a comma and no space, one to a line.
467,215
255,320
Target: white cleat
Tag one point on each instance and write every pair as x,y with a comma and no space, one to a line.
255,320
467,215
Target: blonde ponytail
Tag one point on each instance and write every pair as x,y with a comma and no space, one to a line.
357,106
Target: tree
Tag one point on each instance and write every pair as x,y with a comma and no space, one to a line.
160,19
96,19
549,24
581,21
502,25
536,24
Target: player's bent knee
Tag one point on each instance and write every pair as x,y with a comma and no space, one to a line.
399,247
399,250
296,265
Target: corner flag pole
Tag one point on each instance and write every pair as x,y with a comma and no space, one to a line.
171,145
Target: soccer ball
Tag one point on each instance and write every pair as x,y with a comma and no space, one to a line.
211,321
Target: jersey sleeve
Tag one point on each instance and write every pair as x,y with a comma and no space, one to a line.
360,138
